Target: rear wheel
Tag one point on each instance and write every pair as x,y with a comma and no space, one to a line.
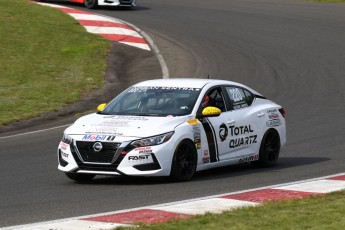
184,161
269,149
91,3
80,177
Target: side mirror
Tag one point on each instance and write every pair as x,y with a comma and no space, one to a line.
101,107
210,111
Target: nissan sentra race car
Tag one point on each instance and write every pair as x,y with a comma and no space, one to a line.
173,128
94,3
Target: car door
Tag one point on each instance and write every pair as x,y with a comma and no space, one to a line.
216,128
244,123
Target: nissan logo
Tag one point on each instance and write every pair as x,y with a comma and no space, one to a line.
97,147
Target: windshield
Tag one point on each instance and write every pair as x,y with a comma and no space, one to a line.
154,101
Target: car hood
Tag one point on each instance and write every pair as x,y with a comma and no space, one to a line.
124,126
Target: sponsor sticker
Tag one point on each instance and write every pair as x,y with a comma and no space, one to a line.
127,118
272,111
238,142
64,155
248,159
206,157
240,130
223,132
98,138
63,145
274,119
273,123
143,150
143,89
193,122
139,158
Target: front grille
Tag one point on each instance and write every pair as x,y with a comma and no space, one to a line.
88,153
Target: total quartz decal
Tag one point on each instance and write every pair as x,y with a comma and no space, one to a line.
246,132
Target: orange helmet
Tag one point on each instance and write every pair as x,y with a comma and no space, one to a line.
205,101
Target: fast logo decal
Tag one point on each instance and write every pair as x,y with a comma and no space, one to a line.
211,140
98,138
138,158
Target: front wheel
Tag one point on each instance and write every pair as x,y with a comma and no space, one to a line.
91,3
184,161
269,149
80,177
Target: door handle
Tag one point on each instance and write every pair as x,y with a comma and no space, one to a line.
261,114
231,122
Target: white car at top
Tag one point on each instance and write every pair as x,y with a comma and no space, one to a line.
95,3
173,128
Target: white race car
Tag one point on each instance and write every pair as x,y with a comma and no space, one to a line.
94,3
174,127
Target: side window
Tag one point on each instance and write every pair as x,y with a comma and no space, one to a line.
214,98
239,97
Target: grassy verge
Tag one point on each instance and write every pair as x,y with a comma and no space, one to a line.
328,1
46,60
317,212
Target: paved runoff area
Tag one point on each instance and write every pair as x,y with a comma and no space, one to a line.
119,31
187,208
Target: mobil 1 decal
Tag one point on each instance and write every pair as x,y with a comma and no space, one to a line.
239,135
211,140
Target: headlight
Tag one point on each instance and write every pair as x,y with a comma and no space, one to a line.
155,140
66,138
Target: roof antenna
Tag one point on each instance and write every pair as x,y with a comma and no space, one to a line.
208,76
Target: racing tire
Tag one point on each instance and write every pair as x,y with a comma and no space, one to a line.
80,177
91,4
184,162
269,149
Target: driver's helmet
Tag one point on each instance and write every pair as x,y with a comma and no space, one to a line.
205,101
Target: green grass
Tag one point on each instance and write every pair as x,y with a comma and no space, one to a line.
47,60
328,1
313,213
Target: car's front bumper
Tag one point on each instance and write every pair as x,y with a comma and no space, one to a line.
115,159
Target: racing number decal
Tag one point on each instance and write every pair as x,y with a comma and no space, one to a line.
211,140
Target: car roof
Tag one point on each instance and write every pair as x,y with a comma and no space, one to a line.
184,82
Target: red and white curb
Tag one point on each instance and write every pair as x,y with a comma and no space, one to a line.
111,29
187,208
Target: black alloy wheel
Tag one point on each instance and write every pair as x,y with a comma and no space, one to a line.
269,149
184,161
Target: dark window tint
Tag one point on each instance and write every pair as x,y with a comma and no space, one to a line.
239,97
214,98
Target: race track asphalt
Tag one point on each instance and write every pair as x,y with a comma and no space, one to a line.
292,52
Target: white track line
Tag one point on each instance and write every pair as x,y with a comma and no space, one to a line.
33,132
